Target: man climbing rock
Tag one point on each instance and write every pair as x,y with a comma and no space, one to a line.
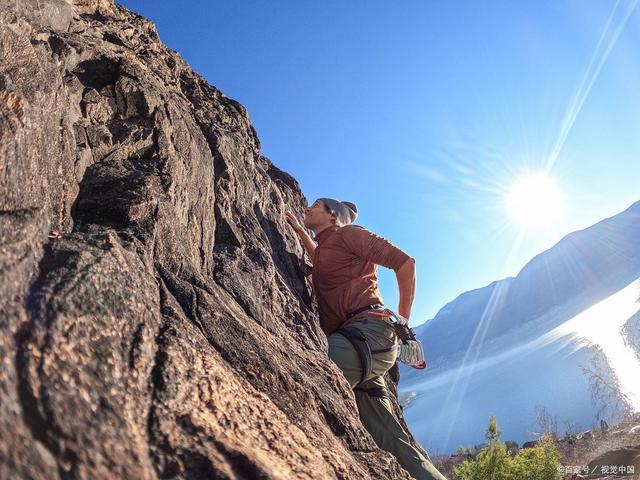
362,340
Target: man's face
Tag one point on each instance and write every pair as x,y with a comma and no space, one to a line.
317,216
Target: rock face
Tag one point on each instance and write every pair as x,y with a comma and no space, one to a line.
168,330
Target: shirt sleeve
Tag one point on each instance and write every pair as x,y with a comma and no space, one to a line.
369,246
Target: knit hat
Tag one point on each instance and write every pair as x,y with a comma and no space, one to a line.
345,212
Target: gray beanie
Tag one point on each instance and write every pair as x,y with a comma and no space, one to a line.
345,212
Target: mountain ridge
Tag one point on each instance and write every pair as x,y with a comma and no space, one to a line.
611,238
634,206
511,348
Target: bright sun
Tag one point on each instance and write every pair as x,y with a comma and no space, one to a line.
535,202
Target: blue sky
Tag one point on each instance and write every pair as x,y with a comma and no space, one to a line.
424,113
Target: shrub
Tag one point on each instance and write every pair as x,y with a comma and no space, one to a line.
495,463
512,447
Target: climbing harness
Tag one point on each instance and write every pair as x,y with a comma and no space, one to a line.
359,342
409,347
377,392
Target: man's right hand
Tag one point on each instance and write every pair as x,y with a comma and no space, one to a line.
293,221
303,234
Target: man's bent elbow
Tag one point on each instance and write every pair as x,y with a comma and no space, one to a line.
409,264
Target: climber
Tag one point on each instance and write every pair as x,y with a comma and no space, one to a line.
362,341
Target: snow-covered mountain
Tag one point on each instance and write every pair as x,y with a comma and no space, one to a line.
517,344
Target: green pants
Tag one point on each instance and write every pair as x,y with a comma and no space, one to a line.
376,413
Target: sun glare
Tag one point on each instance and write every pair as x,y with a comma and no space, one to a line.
535,202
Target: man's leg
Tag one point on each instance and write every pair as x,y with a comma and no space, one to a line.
343,354
376,414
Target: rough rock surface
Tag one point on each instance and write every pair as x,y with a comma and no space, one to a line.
168,330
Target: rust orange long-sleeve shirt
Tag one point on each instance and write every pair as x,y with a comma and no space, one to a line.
344,271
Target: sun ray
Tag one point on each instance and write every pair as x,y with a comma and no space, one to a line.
598,59
464,372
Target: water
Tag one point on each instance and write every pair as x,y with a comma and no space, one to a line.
452,408
601,325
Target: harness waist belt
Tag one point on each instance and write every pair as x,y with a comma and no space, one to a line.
375,306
